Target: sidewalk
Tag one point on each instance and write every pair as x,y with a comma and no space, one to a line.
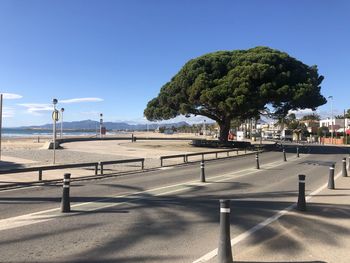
321,234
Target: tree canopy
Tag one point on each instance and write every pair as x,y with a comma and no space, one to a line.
347,114
238,84
311,117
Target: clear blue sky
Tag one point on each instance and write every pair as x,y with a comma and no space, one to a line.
119,53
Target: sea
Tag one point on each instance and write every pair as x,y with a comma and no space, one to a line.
22,133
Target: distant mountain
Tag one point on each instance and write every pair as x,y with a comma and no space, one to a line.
93,125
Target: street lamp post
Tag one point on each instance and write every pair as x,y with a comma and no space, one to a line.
204,130
54,102
331,97
62,110
345,134
101,122
1,97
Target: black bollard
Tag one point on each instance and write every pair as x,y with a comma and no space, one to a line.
301,205
202,172
297,151
331,177
257,161
224,248
344,171
65,204
284,155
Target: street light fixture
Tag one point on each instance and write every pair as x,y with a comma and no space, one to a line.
62,110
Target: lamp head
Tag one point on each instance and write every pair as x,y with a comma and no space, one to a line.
54,101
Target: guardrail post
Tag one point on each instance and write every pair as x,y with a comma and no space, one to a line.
257,160
284,155
216,155
344,172
331,177
96,169
202,172
224,248
65,204
40,175
301,205
228,153
297,151
101,167
237,151
142,164
161,162
185,158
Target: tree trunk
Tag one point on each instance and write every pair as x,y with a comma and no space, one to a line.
224,130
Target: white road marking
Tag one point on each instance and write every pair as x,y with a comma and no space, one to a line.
99,204
261,225
166,168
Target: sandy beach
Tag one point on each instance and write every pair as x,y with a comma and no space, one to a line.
29,152
26,152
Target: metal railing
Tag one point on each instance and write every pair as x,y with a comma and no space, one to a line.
40,169
171,157
103,164
186,156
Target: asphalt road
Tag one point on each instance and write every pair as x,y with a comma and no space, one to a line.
158,216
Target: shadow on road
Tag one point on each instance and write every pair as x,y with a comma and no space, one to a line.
141,218
164,217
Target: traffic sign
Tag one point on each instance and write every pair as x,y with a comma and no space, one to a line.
55,115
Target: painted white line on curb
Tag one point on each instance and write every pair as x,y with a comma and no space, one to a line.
261,225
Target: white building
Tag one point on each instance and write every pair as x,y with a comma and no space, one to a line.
336,124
